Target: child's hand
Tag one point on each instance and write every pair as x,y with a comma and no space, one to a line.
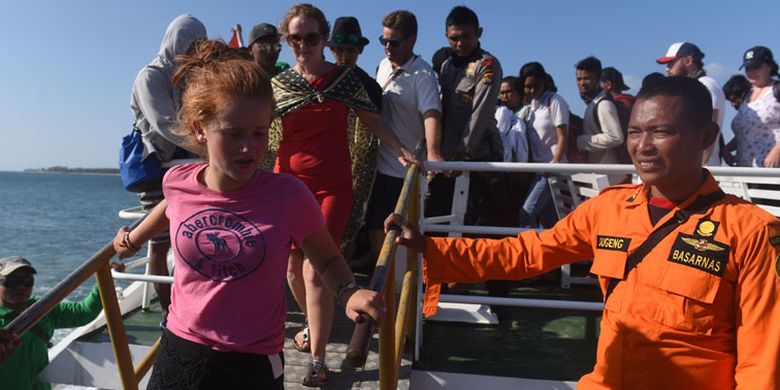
365,302
120,246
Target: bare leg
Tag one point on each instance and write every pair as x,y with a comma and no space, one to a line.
320,305
158,265
295,278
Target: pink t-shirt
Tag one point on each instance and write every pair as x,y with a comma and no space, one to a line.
231,251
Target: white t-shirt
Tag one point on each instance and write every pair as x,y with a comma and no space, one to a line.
543,116
411,94
757,129
513,137
718,103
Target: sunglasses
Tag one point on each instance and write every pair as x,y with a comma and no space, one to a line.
16,281
351,39
311,39
391,42
269,47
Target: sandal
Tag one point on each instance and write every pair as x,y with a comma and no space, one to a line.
301,341
316,374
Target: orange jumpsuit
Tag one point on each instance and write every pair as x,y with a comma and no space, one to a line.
700,311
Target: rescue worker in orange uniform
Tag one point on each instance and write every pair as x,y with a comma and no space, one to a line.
700,311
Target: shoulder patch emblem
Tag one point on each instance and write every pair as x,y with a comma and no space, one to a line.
707,228
612,243
487,77
471,69
488,62
774,241
701,253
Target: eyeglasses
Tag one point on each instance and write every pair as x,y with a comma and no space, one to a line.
351,39
311,39
392,42
16,281
270,47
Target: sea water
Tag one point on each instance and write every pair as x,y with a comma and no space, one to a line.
58,221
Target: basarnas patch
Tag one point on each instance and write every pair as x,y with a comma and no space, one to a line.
701,253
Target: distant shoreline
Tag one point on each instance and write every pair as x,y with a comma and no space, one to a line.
90,171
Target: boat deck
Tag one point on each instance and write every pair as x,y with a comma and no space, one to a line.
143,328
531,343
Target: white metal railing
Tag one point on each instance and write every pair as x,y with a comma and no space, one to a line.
577,168
133,213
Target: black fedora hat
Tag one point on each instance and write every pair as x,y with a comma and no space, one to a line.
346,31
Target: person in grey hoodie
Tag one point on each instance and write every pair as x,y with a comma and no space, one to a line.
155,104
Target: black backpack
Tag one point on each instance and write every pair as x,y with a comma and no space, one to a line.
624,116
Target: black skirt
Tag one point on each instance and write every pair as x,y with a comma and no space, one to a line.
182,364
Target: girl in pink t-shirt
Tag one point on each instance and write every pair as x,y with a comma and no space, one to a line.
231,228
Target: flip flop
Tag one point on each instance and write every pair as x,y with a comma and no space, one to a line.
301,341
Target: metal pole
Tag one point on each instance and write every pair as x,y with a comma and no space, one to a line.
523,302
116,328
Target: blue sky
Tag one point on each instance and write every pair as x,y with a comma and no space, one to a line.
67,66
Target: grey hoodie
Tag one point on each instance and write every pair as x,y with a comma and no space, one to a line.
155,101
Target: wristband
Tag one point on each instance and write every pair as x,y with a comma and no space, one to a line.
344,288
129,244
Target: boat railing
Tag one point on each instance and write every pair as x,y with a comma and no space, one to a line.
98,264
399,319
746,178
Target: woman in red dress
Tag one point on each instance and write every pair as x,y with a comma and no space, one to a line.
313,99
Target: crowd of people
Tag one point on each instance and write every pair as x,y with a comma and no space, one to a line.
237,229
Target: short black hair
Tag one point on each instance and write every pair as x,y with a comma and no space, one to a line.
737,87
695,99
514,82
590,64
651,78
536,69
460,15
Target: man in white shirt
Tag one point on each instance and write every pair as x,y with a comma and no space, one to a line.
685,59
602,133
411,106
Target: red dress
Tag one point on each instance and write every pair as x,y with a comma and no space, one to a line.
314,149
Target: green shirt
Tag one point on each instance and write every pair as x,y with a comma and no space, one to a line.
19,370
280,67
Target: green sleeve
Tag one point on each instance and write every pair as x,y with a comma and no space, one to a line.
71,314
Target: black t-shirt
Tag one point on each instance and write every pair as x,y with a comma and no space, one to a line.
371,86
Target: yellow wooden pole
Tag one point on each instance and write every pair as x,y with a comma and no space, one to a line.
407,300
116,328
146,363
387,334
